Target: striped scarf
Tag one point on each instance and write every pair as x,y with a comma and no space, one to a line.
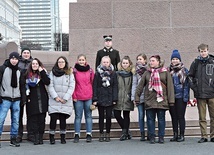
31,81
140,68
179,71
155,82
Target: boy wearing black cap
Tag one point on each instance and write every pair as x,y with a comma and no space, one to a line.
108,51
10,94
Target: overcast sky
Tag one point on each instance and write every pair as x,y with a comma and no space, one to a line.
64,14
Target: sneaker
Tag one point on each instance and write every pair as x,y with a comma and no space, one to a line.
14,143
76,138
88,138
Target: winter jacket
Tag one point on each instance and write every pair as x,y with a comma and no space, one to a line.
6,91
84,81
62,87
105,96
181,90
24,63
201,78
37,101
150,97
124,93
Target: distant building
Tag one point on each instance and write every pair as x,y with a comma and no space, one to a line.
39,21
9,21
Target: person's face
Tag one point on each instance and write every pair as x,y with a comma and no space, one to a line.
14,61
106,62
175,61
154,63
108,43
204,53
141,60
125,64
61,63
26,54
35,65
81,61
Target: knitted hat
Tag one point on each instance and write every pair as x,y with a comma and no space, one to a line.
14,55
176,54
25,48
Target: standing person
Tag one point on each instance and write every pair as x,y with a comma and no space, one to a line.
37,98
201,82
61,88
24,62
82,96
158,96
140,68
108,51
105,94
181,88
10,95
124,103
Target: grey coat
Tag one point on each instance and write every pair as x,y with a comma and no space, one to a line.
62,87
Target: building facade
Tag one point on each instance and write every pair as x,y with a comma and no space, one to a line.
40,21
9,21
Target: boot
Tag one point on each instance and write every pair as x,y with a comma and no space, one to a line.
124,135
52,140
40,138
108,137
101,138
142,138
36,139
129,134
161,140
152,139
181,138
174,138
63,141
19,139
13,142
76,138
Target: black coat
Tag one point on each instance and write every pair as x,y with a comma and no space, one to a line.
37,101
105,96
112,53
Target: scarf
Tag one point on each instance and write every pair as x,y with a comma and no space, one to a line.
31,81
13,82
57,71
105,73
125,72
179,71
155,82
140,68
82,68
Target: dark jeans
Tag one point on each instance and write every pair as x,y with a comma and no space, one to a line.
177,113
62,118
123,122
151,115
29,130
101,111
37,123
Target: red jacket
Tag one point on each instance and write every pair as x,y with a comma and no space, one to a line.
83,88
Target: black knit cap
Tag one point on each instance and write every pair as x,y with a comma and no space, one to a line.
25,48
14,55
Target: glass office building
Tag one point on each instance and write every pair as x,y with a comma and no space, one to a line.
39,21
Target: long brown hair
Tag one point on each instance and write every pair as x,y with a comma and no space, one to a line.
30,69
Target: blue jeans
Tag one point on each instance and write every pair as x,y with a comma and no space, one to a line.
15,110
151,115
79,106
141,116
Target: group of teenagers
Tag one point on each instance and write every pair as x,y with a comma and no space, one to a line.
117,85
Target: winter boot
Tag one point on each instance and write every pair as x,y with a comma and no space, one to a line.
124,135
36,139
63,141
142,138
129,134
174,138
76,138
101,138
161,140
52,140
88,138
108,137
40,138
152,139
13,142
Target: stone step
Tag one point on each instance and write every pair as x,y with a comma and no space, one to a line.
192,129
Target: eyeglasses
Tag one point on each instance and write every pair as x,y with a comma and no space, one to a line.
61,62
